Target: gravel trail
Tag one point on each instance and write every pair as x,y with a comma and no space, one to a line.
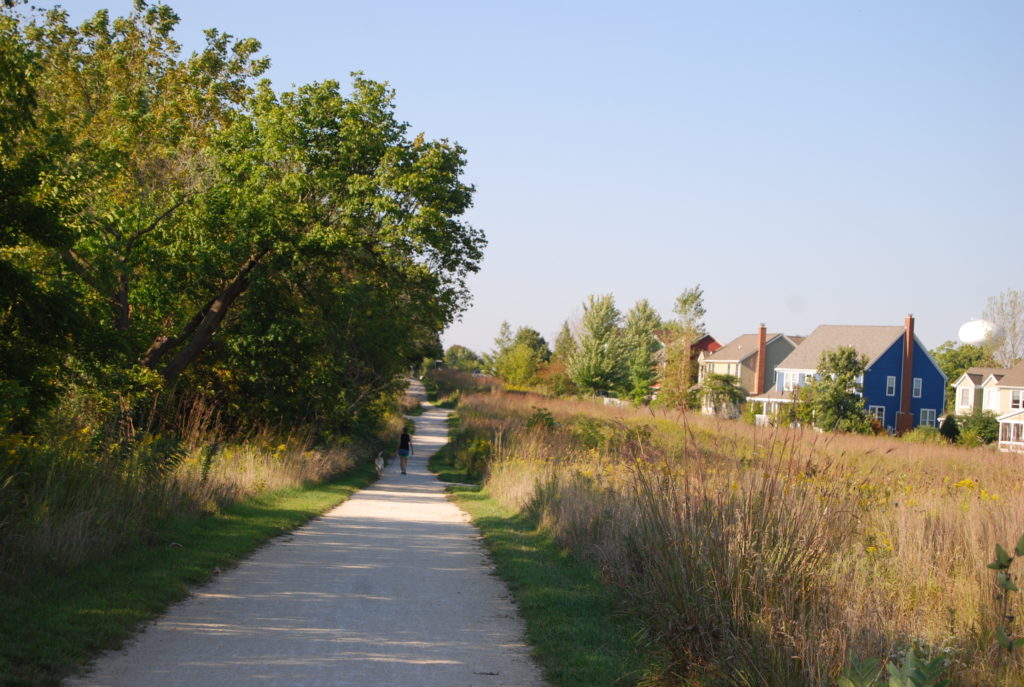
391,587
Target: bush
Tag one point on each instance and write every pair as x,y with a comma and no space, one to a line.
949,428
924,434
983,424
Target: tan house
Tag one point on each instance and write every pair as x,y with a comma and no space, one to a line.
1011,409
977,388
751,359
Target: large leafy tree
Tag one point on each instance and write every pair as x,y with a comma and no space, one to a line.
40,315
130,130
294,246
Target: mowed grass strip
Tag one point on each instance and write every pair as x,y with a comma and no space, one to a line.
579,637
60,620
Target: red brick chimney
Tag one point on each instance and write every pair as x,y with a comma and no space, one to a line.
905,416
761,362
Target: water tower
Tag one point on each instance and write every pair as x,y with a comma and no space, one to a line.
980,333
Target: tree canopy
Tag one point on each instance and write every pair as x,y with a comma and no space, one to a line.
833,401
179,222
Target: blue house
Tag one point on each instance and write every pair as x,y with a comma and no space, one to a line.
903,386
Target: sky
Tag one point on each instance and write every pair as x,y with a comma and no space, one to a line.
805,162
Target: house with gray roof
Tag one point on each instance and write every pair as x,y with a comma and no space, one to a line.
750,358
977,388
903,386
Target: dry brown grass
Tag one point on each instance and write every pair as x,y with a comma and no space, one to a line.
764,555
63,501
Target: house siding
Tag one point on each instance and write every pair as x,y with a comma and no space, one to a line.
776,351
933,385
889,364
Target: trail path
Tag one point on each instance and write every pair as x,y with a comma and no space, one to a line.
390,588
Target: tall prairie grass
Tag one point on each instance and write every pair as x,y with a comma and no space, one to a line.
766,556
80,489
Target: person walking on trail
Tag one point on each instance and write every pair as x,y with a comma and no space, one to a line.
404,449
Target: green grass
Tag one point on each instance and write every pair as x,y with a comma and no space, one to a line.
580,638
443,462
59,620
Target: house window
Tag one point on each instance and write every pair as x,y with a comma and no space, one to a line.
917,387
1011,432
890,385
991,399
791,381
965,397
877,413
1016,396
928,417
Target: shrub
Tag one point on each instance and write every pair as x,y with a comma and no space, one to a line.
923,434
983,424
950,428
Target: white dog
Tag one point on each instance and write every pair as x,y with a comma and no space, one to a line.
379,462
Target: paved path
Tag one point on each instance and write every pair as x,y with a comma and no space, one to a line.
390,588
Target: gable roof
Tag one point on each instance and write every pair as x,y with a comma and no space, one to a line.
739,349
978,375
869,340
1015,377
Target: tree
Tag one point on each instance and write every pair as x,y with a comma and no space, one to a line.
519,365
954,359
461,358
517,359
565,344
679,372
1007,311
642,322
554,375
722,393
833,401
597,366
532,340
299,248
39,312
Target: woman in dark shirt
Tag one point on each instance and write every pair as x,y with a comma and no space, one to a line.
404,449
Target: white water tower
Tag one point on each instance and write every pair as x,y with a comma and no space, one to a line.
980,333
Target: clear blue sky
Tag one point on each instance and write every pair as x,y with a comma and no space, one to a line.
806,162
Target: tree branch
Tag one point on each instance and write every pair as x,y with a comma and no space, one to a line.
202,333
152,225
